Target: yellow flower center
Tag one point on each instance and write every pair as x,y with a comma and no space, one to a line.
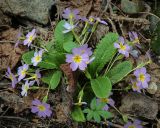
122,47
41,108
136,40
131,126
35,76
77,59
11,77
105,100
91,19
142,77
30,38
71,15
23,72
26,88
37,58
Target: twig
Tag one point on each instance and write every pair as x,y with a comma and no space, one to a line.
151,14
112,124
7,41
107,5
107,123
113,26
14,117
120,26
118,8
122,18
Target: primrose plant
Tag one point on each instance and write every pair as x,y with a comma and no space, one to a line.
102,67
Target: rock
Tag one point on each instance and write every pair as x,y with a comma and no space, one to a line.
132,6
154,71
4,20
152,88
35,10
139,105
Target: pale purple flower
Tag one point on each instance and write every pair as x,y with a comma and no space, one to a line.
135,124
77,59
84,19
101,21
25,87
37,76
136,86
22,70
71,14
12,77
142,76
68,27
123,48
42,109
85,50
134,53
133,37
91,60
37,57
18,40
30,37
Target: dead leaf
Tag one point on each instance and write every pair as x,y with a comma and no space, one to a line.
9,34
71,76
14,101
9,56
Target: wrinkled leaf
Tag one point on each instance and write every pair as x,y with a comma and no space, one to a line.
105,114
97,117
103,53
93,104
118,72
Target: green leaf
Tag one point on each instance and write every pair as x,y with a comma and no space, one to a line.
51,60
118,72
97,117
103,53
49,45
45,99
156,39
93,104
47,62
77,114
86,110
52,78
68,46
90,115
60,37
101,87
105,114
56,77
125,118
26,57
47,77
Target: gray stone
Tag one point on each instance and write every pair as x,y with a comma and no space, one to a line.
35,10
139,105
